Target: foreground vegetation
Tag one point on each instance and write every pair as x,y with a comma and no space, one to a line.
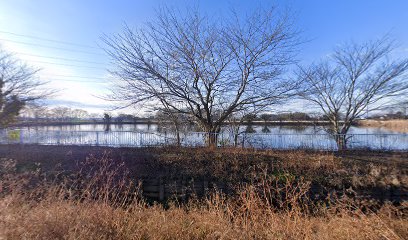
95,193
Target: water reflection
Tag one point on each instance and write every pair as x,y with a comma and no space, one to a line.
250,129
265,129
266,136
107,127
155,128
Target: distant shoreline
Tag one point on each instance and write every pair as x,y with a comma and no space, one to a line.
272,123
397,125
403,123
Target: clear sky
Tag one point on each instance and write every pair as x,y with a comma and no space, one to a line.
62,37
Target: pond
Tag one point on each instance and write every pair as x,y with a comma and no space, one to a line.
258,136
155,128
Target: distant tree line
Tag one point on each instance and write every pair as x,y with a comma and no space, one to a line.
34,113
295,116
391,115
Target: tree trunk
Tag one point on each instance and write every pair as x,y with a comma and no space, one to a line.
341,141
212,136
342,135
177,134
235,133
235,139
212,139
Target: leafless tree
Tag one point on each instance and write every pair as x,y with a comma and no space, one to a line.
236,121
176,121
355,77
402,106
33,110
18,86
61,113
205,67
79,114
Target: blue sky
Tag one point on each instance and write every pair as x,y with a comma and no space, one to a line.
80,24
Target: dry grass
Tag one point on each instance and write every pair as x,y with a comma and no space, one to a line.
398,126
69,220
100,202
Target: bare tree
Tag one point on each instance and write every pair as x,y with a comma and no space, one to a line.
403,107
18,86
205,67
355,77
107,119
79,114
236,121
176,121
61,113
35,112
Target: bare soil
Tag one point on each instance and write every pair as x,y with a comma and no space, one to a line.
373,174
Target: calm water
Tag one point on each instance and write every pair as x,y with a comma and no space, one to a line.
154,128
281,137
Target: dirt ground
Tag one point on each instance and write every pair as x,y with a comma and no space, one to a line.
50,155
368,174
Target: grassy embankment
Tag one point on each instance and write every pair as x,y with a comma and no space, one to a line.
398,125
60,193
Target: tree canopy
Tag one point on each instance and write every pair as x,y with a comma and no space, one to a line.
18,86
205,67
